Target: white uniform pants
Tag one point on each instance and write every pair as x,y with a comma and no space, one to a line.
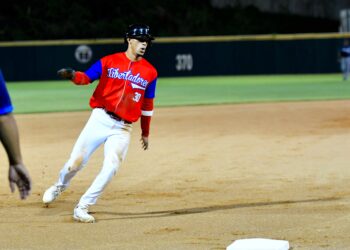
100,128
345,67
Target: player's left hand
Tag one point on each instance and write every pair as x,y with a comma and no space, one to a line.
66,73
19,176
144,141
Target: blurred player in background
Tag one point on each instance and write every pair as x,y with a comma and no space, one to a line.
125,92
344,56
18,174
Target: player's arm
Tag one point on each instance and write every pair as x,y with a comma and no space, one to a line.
146,115
82,78
18,174
147,112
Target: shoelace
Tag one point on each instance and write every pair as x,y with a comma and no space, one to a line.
57,191
83,209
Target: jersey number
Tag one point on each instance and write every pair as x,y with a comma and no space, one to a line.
137,97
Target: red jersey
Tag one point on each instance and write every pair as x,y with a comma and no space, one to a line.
123,85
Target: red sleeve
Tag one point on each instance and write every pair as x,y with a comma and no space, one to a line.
145,125
147,111
81,78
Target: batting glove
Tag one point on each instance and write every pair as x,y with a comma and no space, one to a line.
66,73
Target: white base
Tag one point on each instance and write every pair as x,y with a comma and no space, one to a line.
259,244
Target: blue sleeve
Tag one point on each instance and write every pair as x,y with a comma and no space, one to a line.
5,100
95,71
151,89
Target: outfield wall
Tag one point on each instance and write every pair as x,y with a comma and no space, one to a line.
185,56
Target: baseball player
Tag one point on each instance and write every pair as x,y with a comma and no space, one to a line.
345,60
18,174
125,91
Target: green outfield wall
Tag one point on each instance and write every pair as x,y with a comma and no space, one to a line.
183,56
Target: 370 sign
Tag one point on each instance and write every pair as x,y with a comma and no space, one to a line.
184,62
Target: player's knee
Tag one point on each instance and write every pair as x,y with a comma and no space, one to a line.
76,163
112,164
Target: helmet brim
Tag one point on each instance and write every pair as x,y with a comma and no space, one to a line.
143,37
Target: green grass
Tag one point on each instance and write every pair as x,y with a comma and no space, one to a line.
52,96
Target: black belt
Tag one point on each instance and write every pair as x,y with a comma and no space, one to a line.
116,117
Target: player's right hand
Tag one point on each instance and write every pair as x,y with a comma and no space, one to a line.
144,142
19,176
66,73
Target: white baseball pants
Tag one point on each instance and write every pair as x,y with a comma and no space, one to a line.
100,128
345,67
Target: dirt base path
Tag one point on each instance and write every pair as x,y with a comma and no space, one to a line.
213,174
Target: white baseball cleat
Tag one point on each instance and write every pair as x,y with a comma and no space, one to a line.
81,214
51,194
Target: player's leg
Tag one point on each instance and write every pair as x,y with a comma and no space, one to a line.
343,67
347,68
115,151
93,135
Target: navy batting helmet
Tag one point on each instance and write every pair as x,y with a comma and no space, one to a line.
139,31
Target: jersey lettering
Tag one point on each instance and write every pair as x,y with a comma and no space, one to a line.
127,75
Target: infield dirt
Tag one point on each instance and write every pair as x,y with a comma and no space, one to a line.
213,174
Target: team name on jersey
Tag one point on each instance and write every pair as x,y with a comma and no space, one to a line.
127,75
